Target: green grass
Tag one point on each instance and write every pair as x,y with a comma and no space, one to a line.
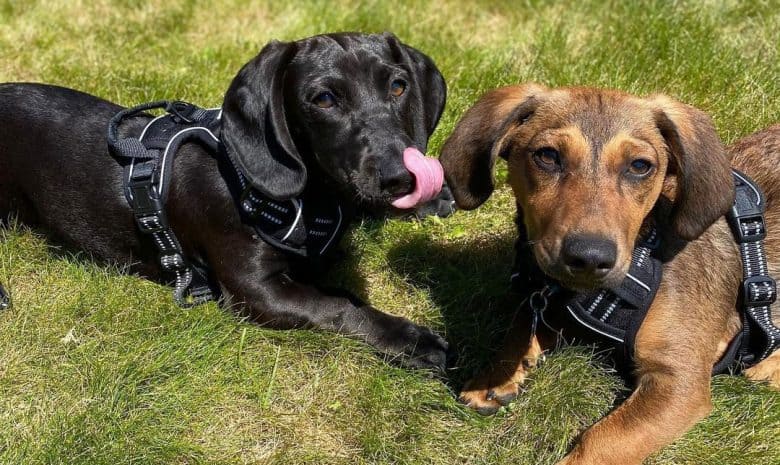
97,367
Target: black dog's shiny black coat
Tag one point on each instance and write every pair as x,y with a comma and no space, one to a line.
55,172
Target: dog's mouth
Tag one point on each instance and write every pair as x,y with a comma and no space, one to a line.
428,177
584,283
581,282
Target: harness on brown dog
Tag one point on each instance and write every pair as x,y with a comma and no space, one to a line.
615,315
285,224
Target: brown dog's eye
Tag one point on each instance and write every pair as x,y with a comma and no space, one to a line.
398,87
324,100
640,167
548,159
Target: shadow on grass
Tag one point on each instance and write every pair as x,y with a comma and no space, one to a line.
469,282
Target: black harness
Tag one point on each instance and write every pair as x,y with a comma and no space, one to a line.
5,299
148,159
615,315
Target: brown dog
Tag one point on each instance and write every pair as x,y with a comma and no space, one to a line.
594,168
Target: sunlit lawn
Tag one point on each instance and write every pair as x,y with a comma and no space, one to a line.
97,367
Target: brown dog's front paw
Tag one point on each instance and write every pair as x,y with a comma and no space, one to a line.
492,389
500,384
768,370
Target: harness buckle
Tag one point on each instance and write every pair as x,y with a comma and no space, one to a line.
147,206
145,200
153,223
748,228
172,262
746,217
759,291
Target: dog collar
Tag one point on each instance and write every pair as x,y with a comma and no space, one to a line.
615,315
308,226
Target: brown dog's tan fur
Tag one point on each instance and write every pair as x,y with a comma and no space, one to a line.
591,189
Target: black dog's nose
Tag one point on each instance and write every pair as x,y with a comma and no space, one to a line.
396,180
589,254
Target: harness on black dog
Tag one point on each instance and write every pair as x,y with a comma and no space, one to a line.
615,315
308,232
5,299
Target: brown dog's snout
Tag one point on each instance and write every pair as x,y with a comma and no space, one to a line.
588,254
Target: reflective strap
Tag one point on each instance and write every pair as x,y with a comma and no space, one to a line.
758,293
147,177
759,290
5,299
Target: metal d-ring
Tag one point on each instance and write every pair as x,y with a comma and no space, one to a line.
538,300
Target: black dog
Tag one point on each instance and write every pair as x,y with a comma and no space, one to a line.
328,117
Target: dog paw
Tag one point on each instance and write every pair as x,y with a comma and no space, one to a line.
768,370
499,385
416,346
442,206
486,395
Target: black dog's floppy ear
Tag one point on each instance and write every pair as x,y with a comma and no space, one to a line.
254,127
698,166
429,89
469,154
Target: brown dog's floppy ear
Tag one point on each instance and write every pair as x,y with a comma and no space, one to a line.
700,165
254,127
429,88
469,154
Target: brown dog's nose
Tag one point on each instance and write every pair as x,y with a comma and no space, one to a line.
584,253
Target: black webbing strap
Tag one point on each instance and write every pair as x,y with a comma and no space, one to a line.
617,313
309,226
5,299
759,336
148,173
309,232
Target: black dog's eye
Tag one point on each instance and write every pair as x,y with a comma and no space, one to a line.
548,158
640,167
324,100
398,87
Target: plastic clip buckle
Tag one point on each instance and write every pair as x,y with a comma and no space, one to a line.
747,211
752,300
172,262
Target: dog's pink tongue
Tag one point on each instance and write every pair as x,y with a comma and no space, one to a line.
428,179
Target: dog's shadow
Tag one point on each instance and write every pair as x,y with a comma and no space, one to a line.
469,281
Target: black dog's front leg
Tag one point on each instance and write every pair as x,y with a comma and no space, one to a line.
286,303
264,284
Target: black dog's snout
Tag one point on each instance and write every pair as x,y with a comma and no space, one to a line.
396,180
589,254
